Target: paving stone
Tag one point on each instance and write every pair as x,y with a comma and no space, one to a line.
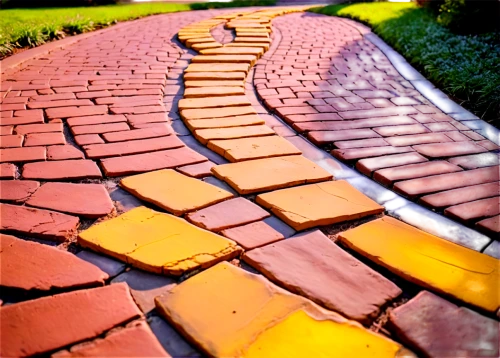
253,235
416,187
488,145
157,242
173,191
62,170
39,139
7,171
465,274
491,226
312,266
270,174
241,149
360,153
146,162
213,102
63,152
6,130
97,151
325,137
260,319
85,139
211,113
16,155
136,340
100,128
200,170
378,112
418,139
355,124
17,190
66,112
442,150
214,76
232,51
392,131
11,141
474,210
476,160
205,135
135,119
44,224
99,119
49,323
171,341
144,287
214,83
88,200
368,166
136,134
200,92
228,214
390,175
320,204
106,264
192,143
225,122
218,67
28,265
438,328
461,195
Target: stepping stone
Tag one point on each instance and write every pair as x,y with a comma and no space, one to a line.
62,170
325,137
256,51
200,92
225,59
230,213
17,155
443,150
140,163
157,242
438,328
213,113
237,150
418,139
476,160
43,325
17,190
367,166
7,171
87,200
214,83
200,170
227,122
253,235
28,265
211,102
205,135
173,192
390,175
218,67
474,210
136,340
259,319
260,175
97,151
314,267
44,224
326,203
461,195
63,152
490,226
214,76
464,274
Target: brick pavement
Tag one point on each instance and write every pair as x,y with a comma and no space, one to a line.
77,120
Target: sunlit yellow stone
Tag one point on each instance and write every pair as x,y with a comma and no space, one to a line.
429,261
230,312
173,191
204,135
157,242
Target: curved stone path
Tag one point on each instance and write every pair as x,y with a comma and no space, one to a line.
168,184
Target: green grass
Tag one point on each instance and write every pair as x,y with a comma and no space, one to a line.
33,27
466,67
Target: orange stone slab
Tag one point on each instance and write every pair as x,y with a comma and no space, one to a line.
205,135
62,169
212,113
226,122
253,235
240,50
200,92
49,323
213,102
214,83
217,76
218,67
97,151
17,190
225,59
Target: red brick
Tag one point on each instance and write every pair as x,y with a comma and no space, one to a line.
412,171
488,145
293,118
6,130
95,151
490,226
39,128
442,150
36,118
378,112
473,135
100,128
283,111
39,139
66,112
476,160
474,210
356,124
63,152
7,171
16,155
117,101
417,139
49,323
36,222
324,137
67,83
367,166
135,119
63,103
253,235
17,190
440,127
13,106
361,143
93,94
135,134
457,136
53,97
199,170
100,119
436,183
88,139
137,110
359,153
62,169
392,131
461,195
11,141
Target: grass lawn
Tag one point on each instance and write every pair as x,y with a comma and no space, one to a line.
466,67
33,27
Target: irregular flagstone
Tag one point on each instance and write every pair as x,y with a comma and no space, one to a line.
260,175
28,265
253,235
204,135
174,192
464,274
200,170
230,213
157,242
259,319
324,203
211,102
49,323
241,149
17,190
226,122
62,169
212,113
88,200
438,328
136,340
36,222
314,267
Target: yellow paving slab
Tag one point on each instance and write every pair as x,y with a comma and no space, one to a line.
252,34
157,242
193,30
191,42
226,122
191,36
190,84
429,261
261,175
255,30
264,46
205,113
206,45
217,67
254,39
237,150
319,204
213,102
233,51
204,135
224,59
173,191
229,312
199,92
218,76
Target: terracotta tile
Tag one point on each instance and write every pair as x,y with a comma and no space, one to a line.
201,92
66,112
218,67
11,141
61,103
16,155
136,134
200,170
476,160
6,130
441,150
214,76
368,166
211,113
17,190
39,139
461,195
135,119
63,152
99,119
85,139
474,210
361,143
62,169
99,128
253,235
490,226
360,153
205,135
325,137
7,171
417,139
225,122
97,151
